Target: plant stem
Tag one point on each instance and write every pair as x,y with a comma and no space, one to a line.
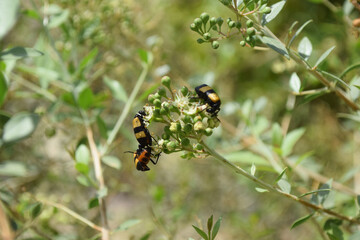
126,110
273,189
5,230
99,176
71,213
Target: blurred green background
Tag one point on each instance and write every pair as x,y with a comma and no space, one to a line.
176,193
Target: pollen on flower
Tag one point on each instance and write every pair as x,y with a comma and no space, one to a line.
149,110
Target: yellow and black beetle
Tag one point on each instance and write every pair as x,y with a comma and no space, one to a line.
142,156
142,134
208,94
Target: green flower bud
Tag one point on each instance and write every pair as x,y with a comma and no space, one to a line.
249,23
207,36
185,142
194,27
208,131
151,98
225,2
186,119
171,145
157,113
214,28
184,91
157,96
197,119
242,43
166,81
219,21
198,146
248,39
167,130
188,128
157,103
228,20
250,31
198,126
266,10
204,17
198,22
212,21
165,136
174,109
163,111
162,92
178,127
231,24
166,151
200,40
215,44
238,25
264,2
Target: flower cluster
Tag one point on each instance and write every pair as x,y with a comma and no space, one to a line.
185,117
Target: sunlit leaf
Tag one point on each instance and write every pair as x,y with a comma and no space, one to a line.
18,53
284,185
13,169
301,220
127,224
275,10
216,228
253,169
295,83
261,190
8,15
335,78
277,136
20,126
324,56
116,89
290,140
82,157
305,48
246,157
86,98
281,174
112,161
276,45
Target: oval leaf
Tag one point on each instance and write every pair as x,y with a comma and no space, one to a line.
276,45
298,32
290,141
20,126
116,89
112,161
275,10
18,53
82,154
284,185
8,16
201,232
261,190
305,48
295,83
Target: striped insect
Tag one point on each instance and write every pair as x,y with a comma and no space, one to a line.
210,97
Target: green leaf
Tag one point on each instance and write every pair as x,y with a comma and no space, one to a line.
86,60
82,154
83,180
281,174
335,78
355,236
18,53
111,161
216,228
313,192
276,45
301,221
145,56
324,56
331,223
146,236
58,18
86,98
13,169
20,126
3,88
295,83
127,224
261,190
201,233
116,89
36,210
102,127
358,200
94,202
290,140
253,169
8,16
284,185
275,10
277,136
322,195
103,192
305,48
210,223
82,168
298,32
348,69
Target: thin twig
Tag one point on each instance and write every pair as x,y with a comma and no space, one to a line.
5,230
71,213
99,176
273,189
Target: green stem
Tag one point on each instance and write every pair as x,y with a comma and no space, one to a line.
126,110
273,189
